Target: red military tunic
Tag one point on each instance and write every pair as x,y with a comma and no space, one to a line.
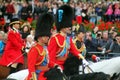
13,47
56,45
36,57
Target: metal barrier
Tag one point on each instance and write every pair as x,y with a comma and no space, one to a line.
104,55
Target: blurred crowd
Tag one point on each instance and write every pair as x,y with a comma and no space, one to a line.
94,40
93,12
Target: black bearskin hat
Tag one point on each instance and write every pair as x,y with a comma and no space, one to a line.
44,25
64,17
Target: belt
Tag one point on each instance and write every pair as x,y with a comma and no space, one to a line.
63,58
43,68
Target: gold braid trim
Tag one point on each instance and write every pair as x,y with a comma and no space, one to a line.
80,55
59,43
74,41
41,54
34,76
81,48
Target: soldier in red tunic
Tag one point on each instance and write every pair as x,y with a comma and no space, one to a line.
38,55
12,55
61,44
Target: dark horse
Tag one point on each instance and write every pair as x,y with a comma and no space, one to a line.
56,74
71,70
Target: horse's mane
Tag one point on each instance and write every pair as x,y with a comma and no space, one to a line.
71,65
54,74
91,76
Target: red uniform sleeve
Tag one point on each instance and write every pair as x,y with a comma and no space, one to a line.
16,40
52,48
32,56
73,49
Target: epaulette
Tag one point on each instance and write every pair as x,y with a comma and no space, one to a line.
51,37
57,41
43,53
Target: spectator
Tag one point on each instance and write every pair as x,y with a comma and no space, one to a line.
115,45
109,12
98,10
117,12
10,10
90,43
38,10
105,42
24,11
29,41
94,32
84,14
92,16
78,9
25,30
104,9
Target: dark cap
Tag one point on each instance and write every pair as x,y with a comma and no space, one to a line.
15,21
80,28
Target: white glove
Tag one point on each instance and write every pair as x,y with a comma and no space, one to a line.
97,59
85,63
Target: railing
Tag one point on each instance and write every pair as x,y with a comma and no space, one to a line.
104,55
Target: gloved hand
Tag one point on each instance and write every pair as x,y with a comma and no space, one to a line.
97,59
84,62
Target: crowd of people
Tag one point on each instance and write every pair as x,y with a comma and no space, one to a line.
93,12
20,38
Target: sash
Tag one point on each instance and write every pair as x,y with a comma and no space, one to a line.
44,62
65,48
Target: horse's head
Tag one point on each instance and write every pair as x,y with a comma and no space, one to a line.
54,74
